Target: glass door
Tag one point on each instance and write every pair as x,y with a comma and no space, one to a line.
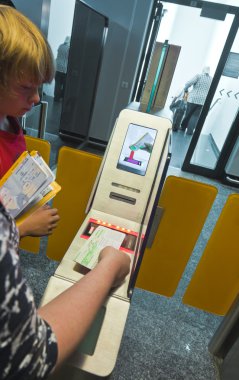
217,128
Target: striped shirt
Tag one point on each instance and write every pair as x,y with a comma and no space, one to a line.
201,84
28,348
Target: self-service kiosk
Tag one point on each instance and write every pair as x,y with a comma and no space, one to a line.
124,199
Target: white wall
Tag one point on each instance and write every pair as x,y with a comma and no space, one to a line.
201,40
60,25
220,118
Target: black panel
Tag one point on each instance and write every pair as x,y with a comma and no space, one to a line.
231,68
147,51
87,41
215,12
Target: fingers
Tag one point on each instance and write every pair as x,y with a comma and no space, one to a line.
54,225
46,207
124,269
53,211
54,219
119,263
54,215
42,222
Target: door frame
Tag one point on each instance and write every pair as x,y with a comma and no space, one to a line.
219,12
218,170
147,50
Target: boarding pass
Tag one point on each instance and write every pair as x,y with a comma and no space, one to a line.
100,238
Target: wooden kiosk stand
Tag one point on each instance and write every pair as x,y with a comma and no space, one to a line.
124,199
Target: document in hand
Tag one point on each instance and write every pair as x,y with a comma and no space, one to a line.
27,185
100,238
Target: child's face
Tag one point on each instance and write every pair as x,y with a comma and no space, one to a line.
19,99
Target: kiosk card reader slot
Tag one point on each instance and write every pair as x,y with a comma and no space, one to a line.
121,205
122,198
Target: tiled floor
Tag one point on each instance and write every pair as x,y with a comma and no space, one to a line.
163,338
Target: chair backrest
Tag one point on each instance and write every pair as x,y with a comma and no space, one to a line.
44,148
215,282
76,173
186,204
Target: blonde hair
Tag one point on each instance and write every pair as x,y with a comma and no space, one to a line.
24,52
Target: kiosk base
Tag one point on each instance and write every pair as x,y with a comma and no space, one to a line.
71,373
97,353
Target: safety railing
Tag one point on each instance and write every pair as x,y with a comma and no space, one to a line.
36,119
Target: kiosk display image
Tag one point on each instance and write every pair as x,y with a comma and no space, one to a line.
137,148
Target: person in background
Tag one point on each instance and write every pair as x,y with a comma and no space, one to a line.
200,84
34,342
178,107
61,69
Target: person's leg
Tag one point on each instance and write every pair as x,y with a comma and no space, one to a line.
57,90
188,114
181,117
178,115
63,85
61,79
194,119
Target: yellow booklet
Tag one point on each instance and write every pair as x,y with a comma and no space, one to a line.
27,185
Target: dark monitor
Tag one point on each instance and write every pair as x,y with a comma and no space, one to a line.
89,32
136,149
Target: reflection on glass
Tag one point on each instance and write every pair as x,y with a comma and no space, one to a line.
222,113
232,166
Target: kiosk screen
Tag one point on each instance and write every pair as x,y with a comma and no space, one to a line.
137,149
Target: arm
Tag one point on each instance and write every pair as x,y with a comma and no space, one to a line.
72,312
23,332
40,223
191,82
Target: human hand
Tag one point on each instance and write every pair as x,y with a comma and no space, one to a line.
40,223
118,261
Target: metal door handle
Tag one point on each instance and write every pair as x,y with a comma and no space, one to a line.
232,180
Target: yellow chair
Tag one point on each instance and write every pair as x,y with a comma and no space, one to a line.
76,173
215,283
186,204
44,148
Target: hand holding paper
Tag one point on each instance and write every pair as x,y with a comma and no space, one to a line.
40,223
101,238
28,185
